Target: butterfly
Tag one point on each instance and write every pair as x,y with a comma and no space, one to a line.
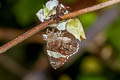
59,48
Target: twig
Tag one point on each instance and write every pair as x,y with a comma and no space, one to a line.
42,26
24,36
7,34
89,9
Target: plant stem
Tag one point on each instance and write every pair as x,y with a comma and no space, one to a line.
89,9
24,36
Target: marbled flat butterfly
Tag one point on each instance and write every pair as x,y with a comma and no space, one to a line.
59,47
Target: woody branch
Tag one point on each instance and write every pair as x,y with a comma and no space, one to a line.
43,25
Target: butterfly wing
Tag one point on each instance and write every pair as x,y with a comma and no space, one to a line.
56,59
60,49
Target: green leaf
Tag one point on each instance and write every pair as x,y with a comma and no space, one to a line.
75,28
46,12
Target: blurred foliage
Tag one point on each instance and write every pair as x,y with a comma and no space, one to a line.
25,10
88,77
0,4
65,77
99,1
70,1
6,75
19,57
91,65
88,19
113,35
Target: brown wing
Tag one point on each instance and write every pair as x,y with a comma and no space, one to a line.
61,47
57,62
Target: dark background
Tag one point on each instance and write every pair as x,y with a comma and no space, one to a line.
99,55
